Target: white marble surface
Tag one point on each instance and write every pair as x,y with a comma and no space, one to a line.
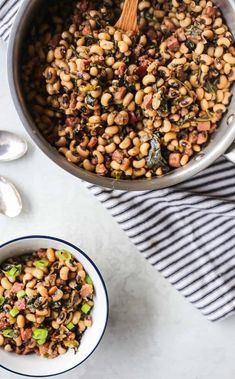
152,332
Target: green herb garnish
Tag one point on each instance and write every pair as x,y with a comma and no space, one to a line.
2,300
155,158
21,294
88,280
14,271
40,335
41,263
85,308
64,255
70,326
8,333
14,312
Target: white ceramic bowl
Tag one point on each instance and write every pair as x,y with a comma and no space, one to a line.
33,365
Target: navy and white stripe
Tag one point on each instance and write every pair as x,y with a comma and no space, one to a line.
186,231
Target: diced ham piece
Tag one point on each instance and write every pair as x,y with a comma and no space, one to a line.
92,143
122,118
86,290
133,118
154,34
172,43
169,24
148,100
4,322
203,126
26,334
121,69
41,254
43,349
141,71
20,304
71,121
117,156
174,159
86,30
101,169
210,12
17,287
202,138
120,93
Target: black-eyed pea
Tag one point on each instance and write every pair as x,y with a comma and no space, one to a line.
110,148
40,319
129,171
30,292
231,76
88,322
229,58
204,68
88,165
76,317
204,104
94,71
64,273
208,96
199,48
55,325
131,106
1,290
139,97
81,326
105,36
6,284
94,120
139,172
37,273
31,317
64,77
127,99
226,98
123,46
44,312
125,164
185,22
184,160
200,93
101,148
105,99
110,61
206,59
61,350
20,320
227,68
68,85
82,274
159,171
220,108
1,340
148,79
50,253
134,151
71,157
111,130
219,96
218,22
127,39
218,51
169,136
222,41
82,151
18,341
31,284
220,30
144,148
223,83
211,51
139,164
136,141
107,45
115,165
42,291
166,126
57,295
8,348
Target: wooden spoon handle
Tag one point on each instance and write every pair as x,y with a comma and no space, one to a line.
128,19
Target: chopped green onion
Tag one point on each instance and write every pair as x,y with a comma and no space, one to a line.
40,335
41,263
14,271
85,308
2,300
8,333
64,255
14,312
21,294
89,280
70,326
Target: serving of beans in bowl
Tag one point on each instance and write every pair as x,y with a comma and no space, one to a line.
129,105
45,302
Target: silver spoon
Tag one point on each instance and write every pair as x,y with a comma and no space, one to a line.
11,146
10,200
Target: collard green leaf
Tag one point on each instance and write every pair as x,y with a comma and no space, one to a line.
155,158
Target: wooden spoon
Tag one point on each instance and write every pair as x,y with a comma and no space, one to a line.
128,19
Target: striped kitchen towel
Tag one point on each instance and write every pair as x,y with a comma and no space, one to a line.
186,231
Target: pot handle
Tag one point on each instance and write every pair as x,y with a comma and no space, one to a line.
230,153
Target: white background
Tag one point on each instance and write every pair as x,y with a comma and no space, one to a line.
153,332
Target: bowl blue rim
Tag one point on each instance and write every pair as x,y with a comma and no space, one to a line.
105,290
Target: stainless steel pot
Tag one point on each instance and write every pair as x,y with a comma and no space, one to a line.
220,143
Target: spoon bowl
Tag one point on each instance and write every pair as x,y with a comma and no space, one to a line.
10,200
11,146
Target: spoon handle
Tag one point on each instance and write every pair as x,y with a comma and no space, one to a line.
128,19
